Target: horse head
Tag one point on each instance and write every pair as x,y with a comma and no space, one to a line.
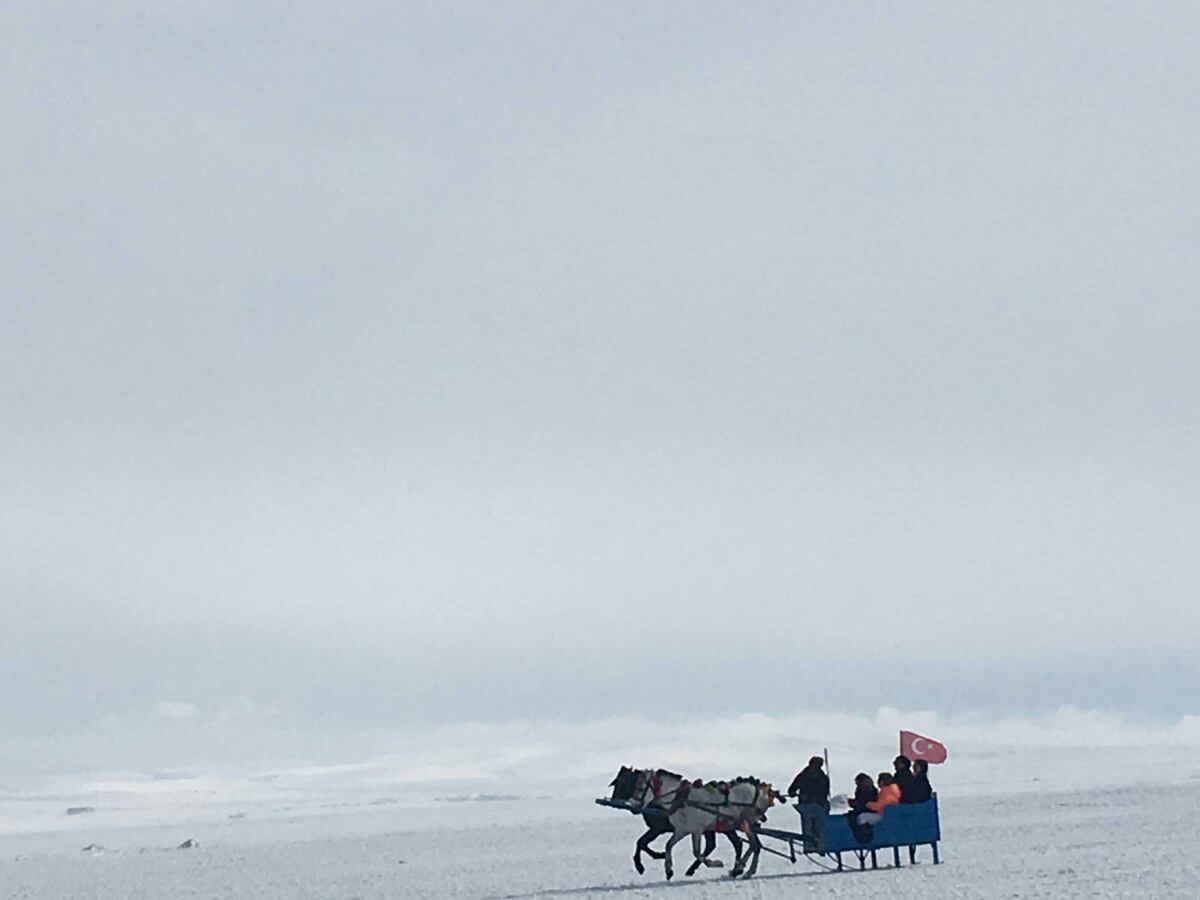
773,796
754,797
625,784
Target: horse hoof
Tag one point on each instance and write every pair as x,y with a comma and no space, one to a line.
670,874
637,864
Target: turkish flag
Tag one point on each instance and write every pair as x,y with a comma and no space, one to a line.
916,746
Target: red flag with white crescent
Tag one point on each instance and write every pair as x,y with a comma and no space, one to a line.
917,746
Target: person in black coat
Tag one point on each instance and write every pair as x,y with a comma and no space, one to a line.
903,777
919,790
811,785
864,793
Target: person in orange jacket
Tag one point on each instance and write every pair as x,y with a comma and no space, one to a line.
889,793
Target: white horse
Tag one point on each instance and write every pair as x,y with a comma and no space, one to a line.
655,791
721,807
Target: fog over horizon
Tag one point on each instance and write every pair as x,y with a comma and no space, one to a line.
419,365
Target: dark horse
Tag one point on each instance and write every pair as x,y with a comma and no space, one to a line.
655,791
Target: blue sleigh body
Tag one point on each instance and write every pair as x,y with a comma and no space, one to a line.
902,825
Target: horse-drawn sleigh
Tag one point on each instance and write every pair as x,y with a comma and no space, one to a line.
669,804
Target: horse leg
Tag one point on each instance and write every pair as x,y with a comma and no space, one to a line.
643,844
742,855
755,848
737,845
654,830
669,865
710,846
698,857
654,827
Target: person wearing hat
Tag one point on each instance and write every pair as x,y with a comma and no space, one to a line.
811,785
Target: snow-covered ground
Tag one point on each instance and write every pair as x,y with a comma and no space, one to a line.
1104,837
1075,804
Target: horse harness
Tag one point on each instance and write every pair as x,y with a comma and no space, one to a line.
724,820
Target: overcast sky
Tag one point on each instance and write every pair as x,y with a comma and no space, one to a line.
378,363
